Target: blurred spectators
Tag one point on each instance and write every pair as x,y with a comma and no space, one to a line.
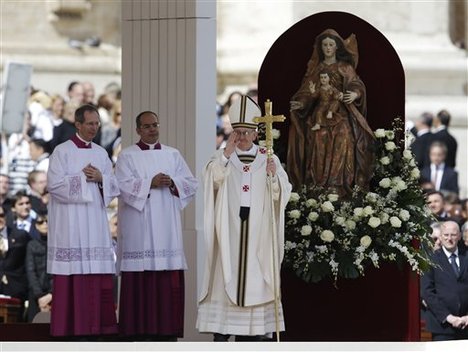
441,133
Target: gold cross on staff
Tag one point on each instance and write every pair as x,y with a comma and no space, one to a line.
268,120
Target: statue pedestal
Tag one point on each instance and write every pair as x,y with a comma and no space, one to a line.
382,306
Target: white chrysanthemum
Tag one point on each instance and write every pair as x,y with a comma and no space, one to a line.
275,133
313,216
368,210
385,160
333,197
306,230
395,222
407,154
373,222
327,207
294,197
365,241
380,133
390,146
389,134
385,182
404,215
327,236
311,203
295,214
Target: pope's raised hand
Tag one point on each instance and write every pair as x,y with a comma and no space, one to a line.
231,144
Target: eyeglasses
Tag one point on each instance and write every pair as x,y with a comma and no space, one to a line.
148,126
41,221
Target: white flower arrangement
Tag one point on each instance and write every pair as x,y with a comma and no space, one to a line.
328,237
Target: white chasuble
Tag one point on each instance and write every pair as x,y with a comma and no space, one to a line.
237,295
79,240
150,230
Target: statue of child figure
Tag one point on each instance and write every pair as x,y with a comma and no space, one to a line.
328,98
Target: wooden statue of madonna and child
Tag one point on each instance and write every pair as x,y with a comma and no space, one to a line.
330,141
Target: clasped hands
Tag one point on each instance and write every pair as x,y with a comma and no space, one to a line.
458,322
161,180
92,174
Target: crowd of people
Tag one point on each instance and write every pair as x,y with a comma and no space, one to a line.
66,167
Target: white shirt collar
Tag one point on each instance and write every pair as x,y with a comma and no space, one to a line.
151,146
448,254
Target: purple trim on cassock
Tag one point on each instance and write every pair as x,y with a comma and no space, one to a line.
79,143
152,303
144,146
83,305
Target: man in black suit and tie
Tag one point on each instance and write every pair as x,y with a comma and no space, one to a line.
444,288
13,280
442,176
441,134
423,140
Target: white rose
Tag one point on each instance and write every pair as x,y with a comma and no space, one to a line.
327,236
384,218
404,215
294,197
385,160
313,216
306,230
415,173
327,207
380,133
340,220
368,210
332,197
358,211
407,154
412,163
365,241
390,146
275,133
350,225
373,222
262,143
400,185
389,134
371,197
385,182
395,222
311,203
295,214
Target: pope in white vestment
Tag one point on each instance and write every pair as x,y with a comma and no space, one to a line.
238,290
156,185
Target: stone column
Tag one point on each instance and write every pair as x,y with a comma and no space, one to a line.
169,67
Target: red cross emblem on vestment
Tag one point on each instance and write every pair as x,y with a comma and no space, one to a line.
263,151
245,188
246,168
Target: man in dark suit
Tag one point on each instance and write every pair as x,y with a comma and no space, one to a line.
436,203
13,242
423,140
442,176
441,134
444,288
